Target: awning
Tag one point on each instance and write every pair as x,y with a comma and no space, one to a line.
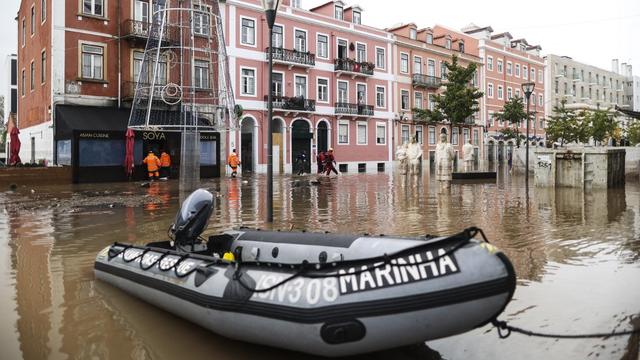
88,118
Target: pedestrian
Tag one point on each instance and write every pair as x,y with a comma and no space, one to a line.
320,160
301,162
234,162
165,165
329,162
153,164
510,160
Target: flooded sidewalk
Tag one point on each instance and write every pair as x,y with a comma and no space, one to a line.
577,256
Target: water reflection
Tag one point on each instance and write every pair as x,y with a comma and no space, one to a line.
567,246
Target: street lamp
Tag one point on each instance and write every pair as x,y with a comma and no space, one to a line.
527,88
270,9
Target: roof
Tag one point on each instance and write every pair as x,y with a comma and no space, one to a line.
473,31
402,26
323,4
522,40
534,47
501,35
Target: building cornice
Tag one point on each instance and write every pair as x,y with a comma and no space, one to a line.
484,45
465,56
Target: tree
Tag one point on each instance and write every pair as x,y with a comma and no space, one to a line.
458,101
602,125
633,133
513,113
566,126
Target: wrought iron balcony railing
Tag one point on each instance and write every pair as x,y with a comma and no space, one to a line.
354,109
355,67
292,56
427,81
134,29
296,103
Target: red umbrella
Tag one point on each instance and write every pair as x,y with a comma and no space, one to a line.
15,147
128,155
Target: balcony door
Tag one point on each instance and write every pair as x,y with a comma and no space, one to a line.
141,11
431,68
301,86
343,89
362,94
417,65
342,49
277,85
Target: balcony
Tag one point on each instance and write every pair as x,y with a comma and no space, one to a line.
292,104
160,92
426,81
140,31
353,68
561,73
291,58
354,109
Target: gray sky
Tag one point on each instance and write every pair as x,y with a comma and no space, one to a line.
585,30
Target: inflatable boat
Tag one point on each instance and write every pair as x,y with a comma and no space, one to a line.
317,293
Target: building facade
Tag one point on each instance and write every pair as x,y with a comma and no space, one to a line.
508,63
586,87
420,57
329,69
10,100
78,62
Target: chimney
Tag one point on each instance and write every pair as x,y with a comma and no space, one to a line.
614,66
629,70
296,4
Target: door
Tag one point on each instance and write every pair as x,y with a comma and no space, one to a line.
301,142
141,11
246,147
33,150
323,137
342,49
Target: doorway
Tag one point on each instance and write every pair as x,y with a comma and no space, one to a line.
301,142
323,137
246,145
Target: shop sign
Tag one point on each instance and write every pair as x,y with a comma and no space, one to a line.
94,135
152,135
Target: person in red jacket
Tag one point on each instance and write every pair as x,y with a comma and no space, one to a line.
320,160
329,162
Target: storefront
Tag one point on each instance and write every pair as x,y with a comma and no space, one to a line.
92,141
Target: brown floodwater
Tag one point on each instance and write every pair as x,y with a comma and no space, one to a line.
577,256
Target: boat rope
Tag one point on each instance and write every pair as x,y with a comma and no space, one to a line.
505,330
384,260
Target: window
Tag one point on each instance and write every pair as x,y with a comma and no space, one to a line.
147,74
429,38
339,12
525,73
431,67
277,84
301,40
158,13
92,62
343,91
357,17
443,70
500,66
362,133
448,44
476,137
343,133
557,86
33,20
23,82
489,63
517,92
43,67
405,134
540,76
342,49
490,90
248,32
533,74
361,54
461,47
404,63
380,96
323,46
93,7
465,135
361,92
509,93
509,68
419,136
141,11
517,70
381,134
417,100
201,19
24,31
201,79
32,80
540,100
380,61
43,11
417,65
413,34
404,100
301,86
432,135
500,92
432,102
323,90
278,37
454,136
248,82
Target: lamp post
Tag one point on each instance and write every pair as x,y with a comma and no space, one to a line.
270,9
527,88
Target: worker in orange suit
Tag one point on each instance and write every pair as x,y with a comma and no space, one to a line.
165,165
153,163
234,162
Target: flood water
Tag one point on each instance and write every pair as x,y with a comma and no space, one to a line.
577,256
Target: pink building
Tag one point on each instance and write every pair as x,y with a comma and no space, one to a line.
332,83
508,64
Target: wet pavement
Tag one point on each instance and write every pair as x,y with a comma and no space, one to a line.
577,256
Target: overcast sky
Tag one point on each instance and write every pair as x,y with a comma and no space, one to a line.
593,32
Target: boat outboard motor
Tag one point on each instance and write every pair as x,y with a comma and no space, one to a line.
191,221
